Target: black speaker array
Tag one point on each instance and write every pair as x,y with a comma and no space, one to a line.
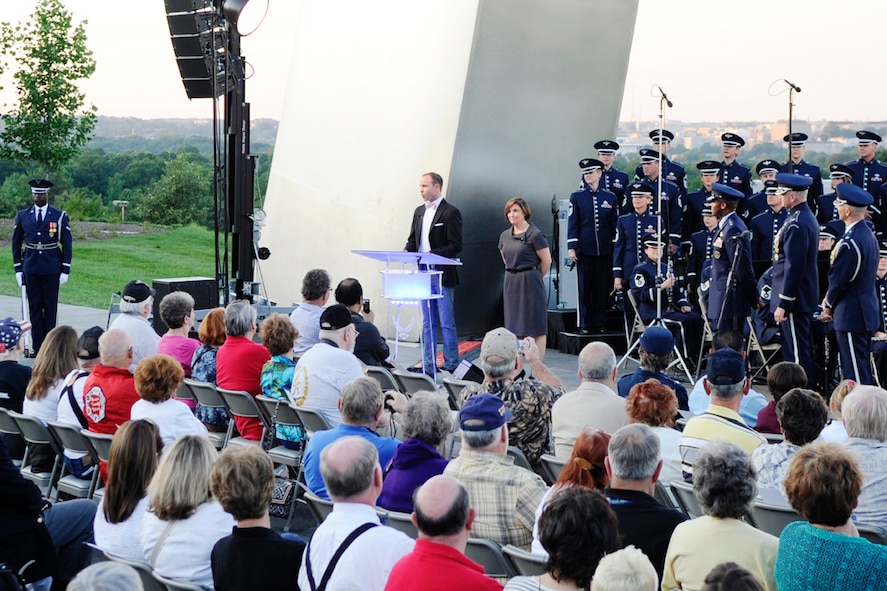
199,42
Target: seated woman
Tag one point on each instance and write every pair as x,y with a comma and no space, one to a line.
656,352
585,467
132,462
576,530
781,378
177,312
835,431
203,366
426,423
157,377
823,484
724,483
184,521
656,406
278,335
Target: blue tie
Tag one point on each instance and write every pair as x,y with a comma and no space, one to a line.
39,216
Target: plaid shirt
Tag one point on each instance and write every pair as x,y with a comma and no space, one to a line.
503,495
530,402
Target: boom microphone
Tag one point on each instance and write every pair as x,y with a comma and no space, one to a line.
746,235
795,87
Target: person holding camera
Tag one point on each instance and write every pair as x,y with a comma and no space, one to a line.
369,347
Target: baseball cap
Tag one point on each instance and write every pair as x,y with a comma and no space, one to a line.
483,412
501,343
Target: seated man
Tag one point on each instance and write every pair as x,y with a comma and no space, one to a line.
655,351
505,496
865,417
326,367
444,518
306,318
110,391
529,399
367,550
369,347
362,408
136,304
253,556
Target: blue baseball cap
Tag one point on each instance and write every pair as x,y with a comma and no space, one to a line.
657,340
483,412
725,367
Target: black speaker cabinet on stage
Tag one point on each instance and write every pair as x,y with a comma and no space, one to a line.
202,289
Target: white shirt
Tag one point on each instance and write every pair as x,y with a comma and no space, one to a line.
48,406
424,244
144,339
65,411
834,432
367,562
40,212
670,453
172,417
319,376
306,319
120,539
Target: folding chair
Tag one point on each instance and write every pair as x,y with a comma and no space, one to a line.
399,521
519,458
146,573
707,335
36,433
184,392
242,404
410,383
774,437
282,414
320,508
872,533
454,389
525,563
100,445
755,350
686,498
635,327
488,554
72,440
772,518
384,377
312,421
9,428
113,307
207,395
661,494
638,328
551,467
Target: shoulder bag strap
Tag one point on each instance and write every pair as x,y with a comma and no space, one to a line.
334,560
156,551
69,391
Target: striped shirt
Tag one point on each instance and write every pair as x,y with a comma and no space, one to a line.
717,422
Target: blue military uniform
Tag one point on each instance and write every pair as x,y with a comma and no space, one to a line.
735,174
591,227
669,204
764,228
631,229
765,326
695,202
700,251
672,171
41,251
871,176
795,279
879,345
804,168
757,203
827,210
613,180
851,291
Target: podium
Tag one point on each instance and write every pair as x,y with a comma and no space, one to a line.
411,278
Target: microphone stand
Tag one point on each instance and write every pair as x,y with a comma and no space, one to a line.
732,282
791,91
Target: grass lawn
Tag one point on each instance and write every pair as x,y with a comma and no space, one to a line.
102,267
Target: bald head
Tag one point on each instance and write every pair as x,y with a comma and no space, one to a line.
115,348
442,507
597,362
349,467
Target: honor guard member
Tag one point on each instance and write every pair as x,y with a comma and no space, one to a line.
730,297
613,180
879,339
41,254
591,228
733,173
766,224
795,279
797,165
838,173
696,201
672,171
700,248
766,171
669,205
628,248
851,302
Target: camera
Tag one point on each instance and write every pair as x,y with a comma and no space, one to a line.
366,306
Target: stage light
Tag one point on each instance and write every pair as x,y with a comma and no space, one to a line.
246,15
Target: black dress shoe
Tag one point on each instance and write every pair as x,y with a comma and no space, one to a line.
584,331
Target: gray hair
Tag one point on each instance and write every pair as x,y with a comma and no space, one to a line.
315,283
427,417
356,476
724,480
361,399
481,439
174,307
107,576
136,307
627,569
727,391
337,335
240,318
865,413
498,370
597,361
114,345
634,452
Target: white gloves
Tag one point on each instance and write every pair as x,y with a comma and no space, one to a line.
19,279
63,278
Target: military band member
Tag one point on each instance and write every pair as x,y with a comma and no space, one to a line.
730,297
795,279
669,204
613,180
766,171
628,249
41,254
672,171
851,302
879,339
766,329
733,173
700,248
696,201
870,174
766,224
591,228
838,173
797,165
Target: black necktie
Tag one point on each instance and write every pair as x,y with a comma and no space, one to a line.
39,216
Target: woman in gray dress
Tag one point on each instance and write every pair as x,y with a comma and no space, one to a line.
527,258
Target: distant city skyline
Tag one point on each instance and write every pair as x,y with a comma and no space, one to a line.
716,60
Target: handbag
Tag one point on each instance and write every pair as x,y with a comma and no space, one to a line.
282,498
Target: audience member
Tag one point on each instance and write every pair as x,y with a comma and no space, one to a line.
107,576
184,521
203,365
362,406
326,367
253,556
652,404
14,378
724,484
136,303
239,362
865,416
306,318
71,402
726,383
633,466
835,432
369,347
157,378
367,550
132,462
529,399
177,312
781,378
627,569
825,552
426,423
584,467
593,404
802,414
504,496
655,350
110,391
278,334
443,516
729,576
576,529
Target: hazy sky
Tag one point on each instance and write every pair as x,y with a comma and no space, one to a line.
715,60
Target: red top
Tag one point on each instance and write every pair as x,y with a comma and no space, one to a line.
108,396
436,567
239,367
767,421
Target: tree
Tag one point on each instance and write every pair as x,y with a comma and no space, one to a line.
182,195
51,123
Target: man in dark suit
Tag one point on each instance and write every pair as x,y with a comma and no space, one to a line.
41,253
851,299
437,228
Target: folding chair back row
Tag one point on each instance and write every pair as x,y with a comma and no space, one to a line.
207,396
36,433
72,440
525,563
384,377
243,405
488,554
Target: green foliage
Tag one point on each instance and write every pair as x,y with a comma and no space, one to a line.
14,194
50,124
183,195
82,204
